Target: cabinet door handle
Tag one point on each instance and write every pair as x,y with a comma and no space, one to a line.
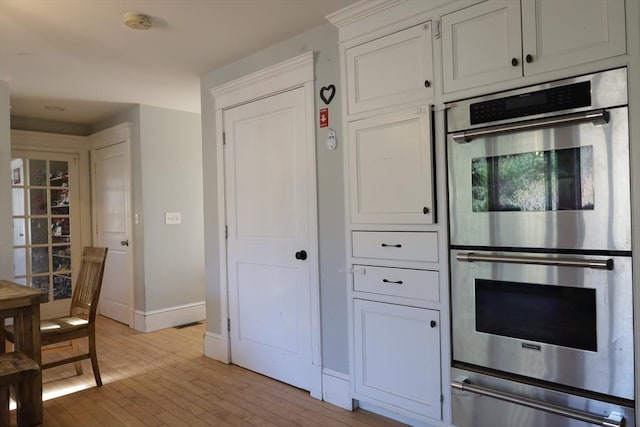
529,58
427,83
384,245
425,210
514,62
124,242
399,282
433,324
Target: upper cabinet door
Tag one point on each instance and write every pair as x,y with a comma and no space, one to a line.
392,70
559,34
390,168
481,45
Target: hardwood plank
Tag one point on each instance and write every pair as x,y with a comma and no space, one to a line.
162,379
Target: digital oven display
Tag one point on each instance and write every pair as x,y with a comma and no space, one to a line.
559,98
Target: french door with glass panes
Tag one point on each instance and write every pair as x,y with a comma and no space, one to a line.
46,225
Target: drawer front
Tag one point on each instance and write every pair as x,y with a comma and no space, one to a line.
408,246
400,282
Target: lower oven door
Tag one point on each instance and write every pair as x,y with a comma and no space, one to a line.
565,319
480,400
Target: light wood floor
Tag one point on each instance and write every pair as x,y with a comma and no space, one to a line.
162,379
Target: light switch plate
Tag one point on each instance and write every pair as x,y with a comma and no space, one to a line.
172,218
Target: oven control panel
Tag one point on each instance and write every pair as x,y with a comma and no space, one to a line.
539,102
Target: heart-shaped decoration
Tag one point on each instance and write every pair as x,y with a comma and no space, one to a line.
327,93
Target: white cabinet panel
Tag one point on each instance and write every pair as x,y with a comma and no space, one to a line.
481,44
558,34
409,246
390,168
501,40
391,70
397,352
400,282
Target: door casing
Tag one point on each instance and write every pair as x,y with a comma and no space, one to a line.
294,73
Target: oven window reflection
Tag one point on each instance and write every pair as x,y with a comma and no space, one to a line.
535,181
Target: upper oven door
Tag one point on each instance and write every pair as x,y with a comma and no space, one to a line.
559,182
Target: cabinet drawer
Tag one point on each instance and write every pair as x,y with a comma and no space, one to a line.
408,246
401,282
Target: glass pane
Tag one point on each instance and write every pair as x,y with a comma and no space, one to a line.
61,286
559,315
60,263
537,181
60,230
19,262
38,201
60,200
18,201
41,282
17,172
59,174
21,281
39,260
39,231
18,232
37,172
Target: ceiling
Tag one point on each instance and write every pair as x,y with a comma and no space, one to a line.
79,55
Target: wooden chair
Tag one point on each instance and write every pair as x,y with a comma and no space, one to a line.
82,315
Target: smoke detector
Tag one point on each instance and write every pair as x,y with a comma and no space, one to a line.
137,21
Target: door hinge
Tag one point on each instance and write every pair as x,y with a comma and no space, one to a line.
226,232
228,325
441,398
436,28
224,138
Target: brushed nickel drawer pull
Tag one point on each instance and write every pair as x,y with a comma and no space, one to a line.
602,264
614,419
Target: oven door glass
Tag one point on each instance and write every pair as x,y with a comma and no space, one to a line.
535,181
564,187
560,315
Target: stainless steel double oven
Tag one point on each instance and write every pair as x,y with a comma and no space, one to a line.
540,237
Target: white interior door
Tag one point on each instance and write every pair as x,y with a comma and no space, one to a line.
266,187
112,210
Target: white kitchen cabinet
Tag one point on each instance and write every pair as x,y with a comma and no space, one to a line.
391,70
397,352
501,40
390,168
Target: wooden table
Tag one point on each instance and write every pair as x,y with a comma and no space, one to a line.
23,305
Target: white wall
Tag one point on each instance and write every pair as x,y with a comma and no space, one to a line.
6,234
323,41
171,174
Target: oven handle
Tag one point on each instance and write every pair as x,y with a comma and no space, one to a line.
602,264
595,116
614,419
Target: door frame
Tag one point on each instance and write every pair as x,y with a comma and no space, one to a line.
111,136
297,72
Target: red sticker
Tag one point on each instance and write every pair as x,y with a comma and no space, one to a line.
324,117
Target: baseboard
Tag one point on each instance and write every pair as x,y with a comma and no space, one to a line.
149,321
335,389
216,347
397,416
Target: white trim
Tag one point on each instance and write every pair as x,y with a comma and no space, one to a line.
335,389
32,140
290,74
216,347
286,75
111,136
149,321
359,10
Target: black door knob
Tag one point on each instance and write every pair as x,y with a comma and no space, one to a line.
301,255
